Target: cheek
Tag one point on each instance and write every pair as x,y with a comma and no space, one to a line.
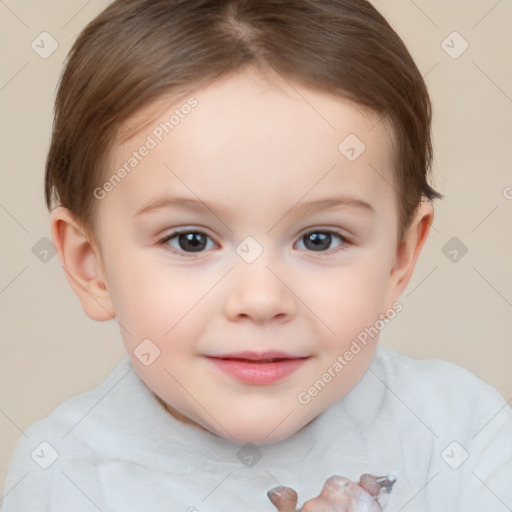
347,299
155,301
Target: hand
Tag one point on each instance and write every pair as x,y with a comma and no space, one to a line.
338,494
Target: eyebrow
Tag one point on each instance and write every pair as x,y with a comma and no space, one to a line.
176,203
331,203
301,208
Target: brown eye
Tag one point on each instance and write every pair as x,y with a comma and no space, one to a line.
187,241
192,242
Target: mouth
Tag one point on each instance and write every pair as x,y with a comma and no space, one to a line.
255,368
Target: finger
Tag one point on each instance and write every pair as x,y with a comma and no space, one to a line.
283,498
370,484
375,485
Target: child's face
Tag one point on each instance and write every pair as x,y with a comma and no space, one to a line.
251,164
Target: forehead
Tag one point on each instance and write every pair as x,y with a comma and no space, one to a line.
251,140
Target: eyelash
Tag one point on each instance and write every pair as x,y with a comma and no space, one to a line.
345,241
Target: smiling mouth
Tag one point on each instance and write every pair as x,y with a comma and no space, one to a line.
249,356
257,369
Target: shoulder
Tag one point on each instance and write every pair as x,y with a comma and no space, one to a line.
66,419
439,389
48,447
431,376
453,426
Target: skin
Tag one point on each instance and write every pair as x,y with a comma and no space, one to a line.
255,148
338,494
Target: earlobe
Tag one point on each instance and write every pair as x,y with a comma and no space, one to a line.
409,250
82,264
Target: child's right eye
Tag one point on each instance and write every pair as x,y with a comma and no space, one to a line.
187,241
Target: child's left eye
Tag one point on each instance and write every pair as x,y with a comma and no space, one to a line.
320,241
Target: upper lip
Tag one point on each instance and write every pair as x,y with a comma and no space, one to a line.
257,356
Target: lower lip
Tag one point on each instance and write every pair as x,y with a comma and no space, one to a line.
258,373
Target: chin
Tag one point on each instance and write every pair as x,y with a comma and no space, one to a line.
257,431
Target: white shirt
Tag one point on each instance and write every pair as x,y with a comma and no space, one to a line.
444,434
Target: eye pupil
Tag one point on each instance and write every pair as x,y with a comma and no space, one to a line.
192,242
317,241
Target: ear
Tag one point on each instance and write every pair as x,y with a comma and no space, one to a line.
83,264
408,251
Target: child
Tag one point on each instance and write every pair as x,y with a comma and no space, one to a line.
243,186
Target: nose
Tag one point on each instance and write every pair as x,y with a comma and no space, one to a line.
259,293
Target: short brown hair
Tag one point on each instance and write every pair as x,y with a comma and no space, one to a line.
135,51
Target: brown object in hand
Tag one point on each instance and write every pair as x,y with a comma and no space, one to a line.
338,494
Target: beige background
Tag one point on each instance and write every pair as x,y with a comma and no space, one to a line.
460,311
